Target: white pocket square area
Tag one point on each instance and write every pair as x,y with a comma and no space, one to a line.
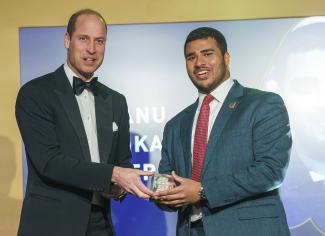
115,127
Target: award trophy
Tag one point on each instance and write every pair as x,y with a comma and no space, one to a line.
161,182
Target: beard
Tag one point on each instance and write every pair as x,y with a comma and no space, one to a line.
208,86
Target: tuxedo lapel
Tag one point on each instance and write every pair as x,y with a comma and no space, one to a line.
104,120
186,134
229,106
69,103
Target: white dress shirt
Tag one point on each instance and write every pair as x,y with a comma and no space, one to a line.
86,103
219,94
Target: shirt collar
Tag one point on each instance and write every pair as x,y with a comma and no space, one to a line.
220,93
70,74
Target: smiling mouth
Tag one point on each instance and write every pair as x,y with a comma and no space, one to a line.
203,74
89,61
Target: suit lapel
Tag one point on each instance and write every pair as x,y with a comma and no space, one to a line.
104,120
228,107
186,134
69,103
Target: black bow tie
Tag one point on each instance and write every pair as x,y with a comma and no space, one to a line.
79,85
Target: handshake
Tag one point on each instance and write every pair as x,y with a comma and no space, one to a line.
161,188
128,180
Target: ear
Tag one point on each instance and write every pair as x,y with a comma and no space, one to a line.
66,40
226,59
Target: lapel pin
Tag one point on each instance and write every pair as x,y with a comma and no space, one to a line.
232,105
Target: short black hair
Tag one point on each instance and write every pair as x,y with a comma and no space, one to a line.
204,33
73,19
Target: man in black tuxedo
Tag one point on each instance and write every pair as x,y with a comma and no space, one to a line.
76,135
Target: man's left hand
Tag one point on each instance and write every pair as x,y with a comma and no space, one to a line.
188,192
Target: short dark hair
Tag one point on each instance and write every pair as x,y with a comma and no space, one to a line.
204,33
73,19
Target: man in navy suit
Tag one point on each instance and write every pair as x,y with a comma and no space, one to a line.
228,152
77,140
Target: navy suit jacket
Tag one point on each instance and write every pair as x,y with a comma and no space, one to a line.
245,163
61,177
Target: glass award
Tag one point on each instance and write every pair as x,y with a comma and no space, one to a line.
161,182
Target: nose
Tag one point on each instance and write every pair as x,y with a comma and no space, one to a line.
91,47
199,61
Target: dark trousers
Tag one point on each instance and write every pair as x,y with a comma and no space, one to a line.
98,224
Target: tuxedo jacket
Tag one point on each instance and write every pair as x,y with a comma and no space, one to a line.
245,163
61,177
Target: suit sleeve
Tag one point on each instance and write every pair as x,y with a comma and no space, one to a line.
271,144
165,162
37,125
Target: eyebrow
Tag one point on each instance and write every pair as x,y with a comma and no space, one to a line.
87,36
103,38
202,51
208,50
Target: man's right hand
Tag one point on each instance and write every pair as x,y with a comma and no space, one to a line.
130,180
